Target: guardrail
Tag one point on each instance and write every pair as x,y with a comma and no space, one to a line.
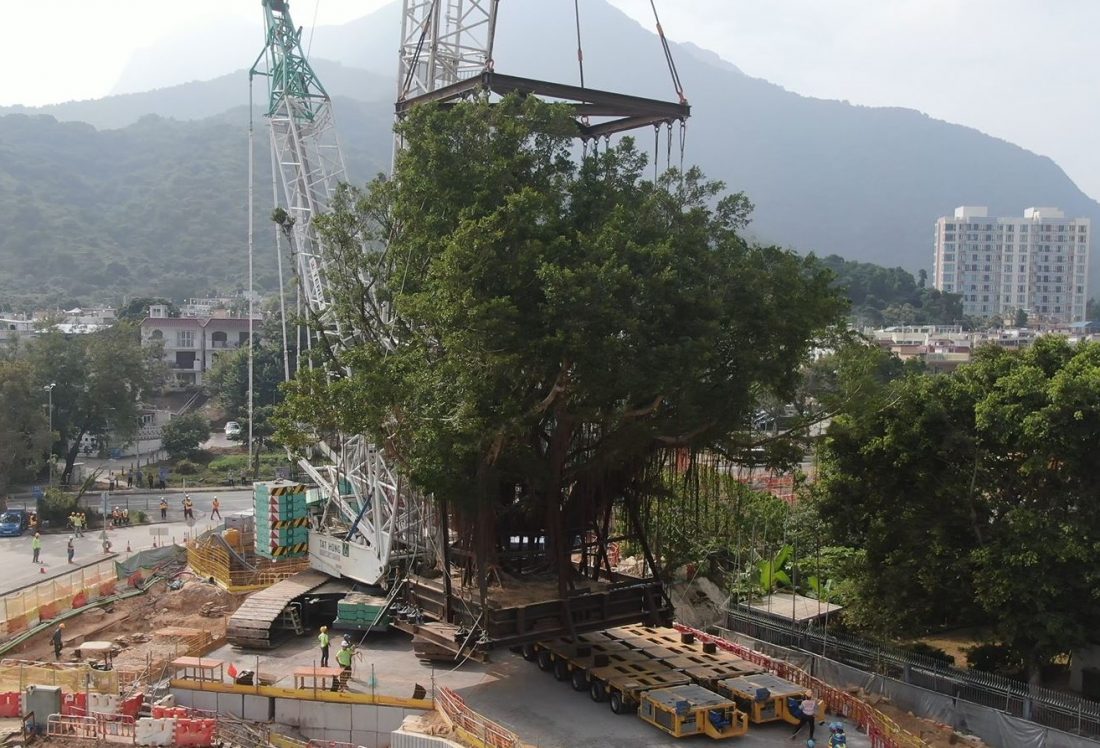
473,729
882,731
93,727
1044,706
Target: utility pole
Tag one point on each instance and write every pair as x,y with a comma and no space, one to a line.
50,465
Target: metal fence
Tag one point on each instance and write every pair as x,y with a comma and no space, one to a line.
1045,706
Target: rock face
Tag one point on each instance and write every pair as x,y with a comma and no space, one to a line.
698,601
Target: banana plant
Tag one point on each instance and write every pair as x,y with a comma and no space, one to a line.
773,572
821,590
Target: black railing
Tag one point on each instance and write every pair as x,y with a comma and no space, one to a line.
1045,706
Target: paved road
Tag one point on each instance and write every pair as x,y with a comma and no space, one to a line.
16,554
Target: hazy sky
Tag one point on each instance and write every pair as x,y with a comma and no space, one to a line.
1023,70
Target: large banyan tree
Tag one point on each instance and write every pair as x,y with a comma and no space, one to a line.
540,332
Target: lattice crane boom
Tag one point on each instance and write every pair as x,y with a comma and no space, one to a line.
371,518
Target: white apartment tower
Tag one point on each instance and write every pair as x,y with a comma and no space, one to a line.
1038,263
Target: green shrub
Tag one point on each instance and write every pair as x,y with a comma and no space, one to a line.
142,517
996,658
186,467
56,506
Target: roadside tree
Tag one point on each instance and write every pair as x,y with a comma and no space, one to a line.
24,422
183,435
973,497
100,379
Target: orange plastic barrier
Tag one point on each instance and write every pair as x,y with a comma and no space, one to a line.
10,704
74,704
131,706
170,712
195,732
882,731
464,718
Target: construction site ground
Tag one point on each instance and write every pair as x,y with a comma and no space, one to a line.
508,689
133,624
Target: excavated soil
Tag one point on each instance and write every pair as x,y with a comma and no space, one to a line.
132,625
933,733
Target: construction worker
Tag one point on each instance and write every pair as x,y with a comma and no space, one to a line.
70,549
807,713
78,524
343,659
163,508
188,507
215,507
57,641
322,639
36,546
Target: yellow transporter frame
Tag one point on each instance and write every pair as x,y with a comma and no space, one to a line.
621,684
683,711
763,696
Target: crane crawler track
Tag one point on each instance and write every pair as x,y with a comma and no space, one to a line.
256,624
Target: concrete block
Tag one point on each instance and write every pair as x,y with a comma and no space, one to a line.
255,708
389,719
330,716
230,703
289,711
208,702
368,739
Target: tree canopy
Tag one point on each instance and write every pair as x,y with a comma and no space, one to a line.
24,422
535,331
183,435
99,381
972,496
891,296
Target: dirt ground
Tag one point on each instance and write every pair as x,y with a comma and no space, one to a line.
132,625
956,642
933,733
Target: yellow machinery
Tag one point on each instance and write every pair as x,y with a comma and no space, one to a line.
683,711
763,696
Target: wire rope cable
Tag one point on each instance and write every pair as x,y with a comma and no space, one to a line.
580,48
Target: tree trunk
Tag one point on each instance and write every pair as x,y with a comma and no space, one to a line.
70,458
555,530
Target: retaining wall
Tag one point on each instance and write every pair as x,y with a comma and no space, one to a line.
367,725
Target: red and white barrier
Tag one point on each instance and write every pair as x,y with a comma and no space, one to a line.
195,732
11,704
155,731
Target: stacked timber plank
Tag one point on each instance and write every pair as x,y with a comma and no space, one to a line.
282,520
255,624
626,650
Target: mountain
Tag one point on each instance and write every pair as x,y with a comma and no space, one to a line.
825,176
160,205
201,99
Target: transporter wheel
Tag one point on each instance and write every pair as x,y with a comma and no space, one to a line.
561,670
618,705
579,680
597,691
546,660
529,652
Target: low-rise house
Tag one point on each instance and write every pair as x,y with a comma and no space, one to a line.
192,345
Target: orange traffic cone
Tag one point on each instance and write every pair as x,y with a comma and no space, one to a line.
41,569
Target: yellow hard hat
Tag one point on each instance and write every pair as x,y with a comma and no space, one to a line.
61,625
324,628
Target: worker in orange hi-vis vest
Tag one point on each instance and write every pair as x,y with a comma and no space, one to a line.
215,508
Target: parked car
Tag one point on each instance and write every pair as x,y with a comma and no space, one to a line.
232,428
13,522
